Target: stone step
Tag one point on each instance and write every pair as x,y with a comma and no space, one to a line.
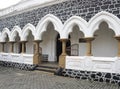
46,69
49,67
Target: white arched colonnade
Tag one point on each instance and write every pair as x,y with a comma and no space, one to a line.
88,29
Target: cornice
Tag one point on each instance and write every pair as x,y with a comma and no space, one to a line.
26,5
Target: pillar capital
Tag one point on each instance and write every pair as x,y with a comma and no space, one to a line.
63,40
117,38
89,38
23,41
11,41
38,41
2,42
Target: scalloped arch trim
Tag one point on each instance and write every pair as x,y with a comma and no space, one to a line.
88,28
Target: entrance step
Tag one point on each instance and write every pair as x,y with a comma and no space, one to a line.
46,68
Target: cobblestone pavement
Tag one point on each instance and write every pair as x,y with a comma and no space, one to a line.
11,78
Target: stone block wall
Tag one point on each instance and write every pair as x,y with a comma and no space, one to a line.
18,65
93,76
83,8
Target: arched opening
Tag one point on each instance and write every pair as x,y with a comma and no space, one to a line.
68,46
104,45
78,45
29,43
48,44
17,45
6,45
58,47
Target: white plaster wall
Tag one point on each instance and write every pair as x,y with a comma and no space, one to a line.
104,45
75,35
16,45
29,44
17,58
6,46
89,63
49,44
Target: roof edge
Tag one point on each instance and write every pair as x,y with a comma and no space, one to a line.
27,5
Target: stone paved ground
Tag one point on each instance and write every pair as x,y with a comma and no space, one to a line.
11,78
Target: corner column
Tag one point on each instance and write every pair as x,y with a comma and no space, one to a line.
23,46
62,57
89,45
2,49
37,55
12,46
118,38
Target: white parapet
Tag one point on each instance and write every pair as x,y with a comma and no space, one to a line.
28,58
100,64
17,58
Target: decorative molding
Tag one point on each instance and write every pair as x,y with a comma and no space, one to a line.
103,16
27,5
4,34
43,23
88,28
15,31
71,22
26,29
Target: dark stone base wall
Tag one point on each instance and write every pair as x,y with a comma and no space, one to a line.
18,65
93,76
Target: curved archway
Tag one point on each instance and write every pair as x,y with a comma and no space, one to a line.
26,29
112,21
5,37
5,33
77,38
17,44
70,23
29,45
15,31
43,23
49,43
6,45
104,45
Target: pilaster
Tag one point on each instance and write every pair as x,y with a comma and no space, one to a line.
89,45
62,57
37,55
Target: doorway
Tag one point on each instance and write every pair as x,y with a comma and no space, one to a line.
59,47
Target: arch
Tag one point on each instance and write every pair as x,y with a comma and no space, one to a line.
112,21
26,29
4,34
70,23
49,43
16,30
104,42
43,23
29,45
